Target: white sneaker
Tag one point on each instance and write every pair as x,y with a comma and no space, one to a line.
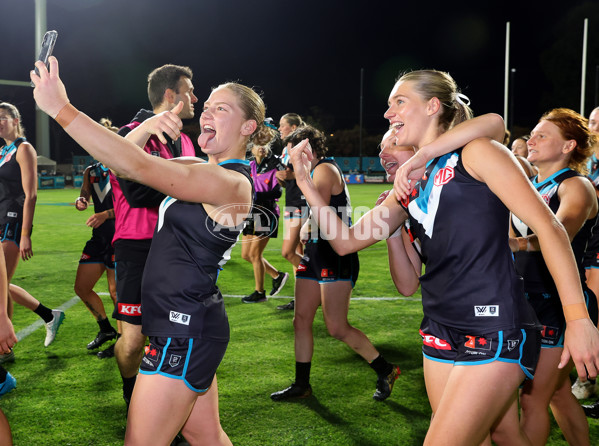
583,390
52,326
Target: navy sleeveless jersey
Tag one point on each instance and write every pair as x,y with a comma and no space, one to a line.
470,282
101,192
340,202
179,293
531,265
12,195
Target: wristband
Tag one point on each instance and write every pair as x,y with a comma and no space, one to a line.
66,115
573,312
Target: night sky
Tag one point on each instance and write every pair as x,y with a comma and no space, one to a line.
304,56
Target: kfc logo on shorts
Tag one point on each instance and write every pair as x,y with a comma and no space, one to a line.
301,267
478,343
444,176
434,342
84,256
130,309
179,318
486,311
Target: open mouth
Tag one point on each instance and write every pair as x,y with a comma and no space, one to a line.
207,134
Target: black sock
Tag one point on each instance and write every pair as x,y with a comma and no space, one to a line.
3,373
44,312
302,373
105,326
381,366
128,384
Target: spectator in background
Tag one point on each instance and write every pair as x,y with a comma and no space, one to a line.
296,209
98,253
264,221
136,210
18,195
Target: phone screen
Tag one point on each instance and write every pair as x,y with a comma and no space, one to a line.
47,48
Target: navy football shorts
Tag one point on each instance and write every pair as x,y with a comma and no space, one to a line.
192,360
446,344
129,269
323,264
98,250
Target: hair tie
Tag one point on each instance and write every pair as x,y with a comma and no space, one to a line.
268,123
462,99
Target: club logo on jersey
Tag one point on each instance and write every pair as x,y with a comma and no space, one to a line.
478,343
174,360
486,310
179,318
444,176
434,342
151,355
130,309
512,344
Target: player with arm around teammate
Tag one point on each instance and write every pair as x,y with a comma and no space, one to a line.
477,323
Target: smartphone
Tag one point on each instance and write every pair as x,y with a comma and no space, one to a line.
47,48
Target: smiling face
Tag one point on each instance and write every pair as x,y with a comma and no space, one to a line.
8,125
185,94
224,127
285,129
393,156
408,114
548,145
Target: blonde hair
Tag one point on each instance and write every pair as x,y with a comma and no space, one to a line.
253,108
438,84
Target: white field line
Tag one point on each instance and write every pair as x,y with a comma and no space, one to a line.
22,334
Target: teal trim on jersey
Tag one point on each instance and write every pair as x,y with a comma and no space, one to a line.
422,201
551,179
234,160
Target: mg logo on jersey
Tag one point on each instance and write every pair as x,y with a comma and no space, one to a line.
434,342
130,309
179,318
486,310
444,176
546,198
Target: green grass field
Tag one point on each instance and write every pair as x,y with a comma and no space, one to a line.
67,396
